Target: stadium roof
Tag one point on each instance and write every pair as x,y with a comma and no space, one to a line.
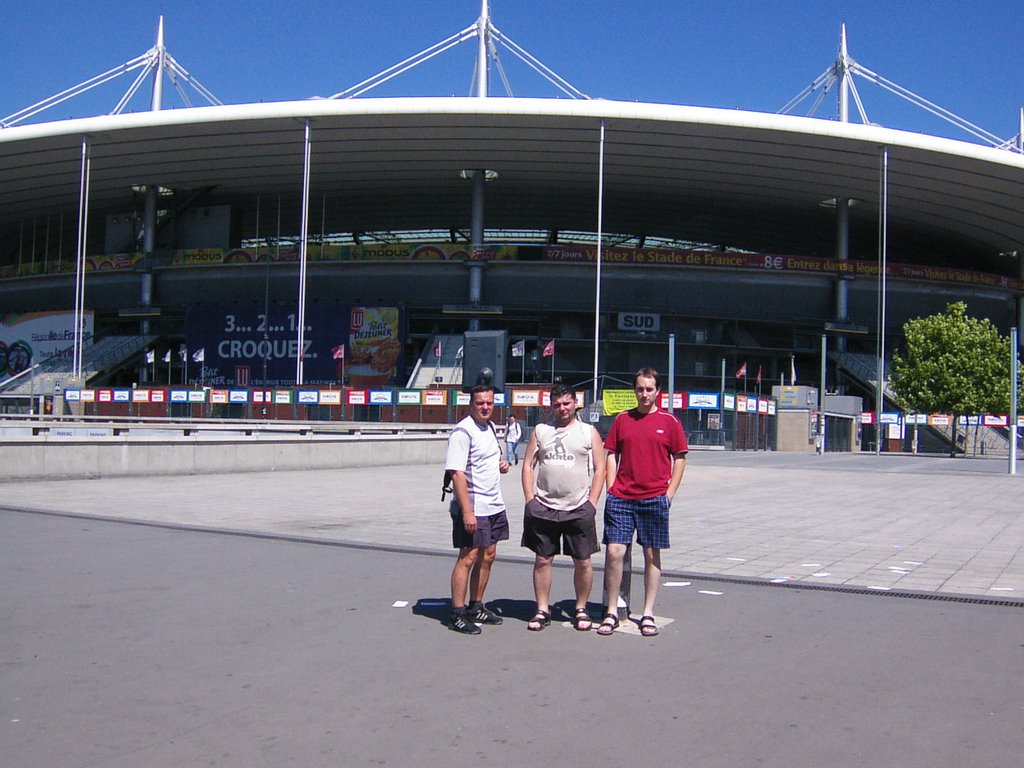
731,178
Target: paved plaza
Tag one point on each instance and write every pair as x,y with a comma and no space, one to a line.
893,522
168,643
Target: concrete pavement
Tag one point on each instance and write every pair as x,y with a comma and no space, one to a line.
124,646
923,524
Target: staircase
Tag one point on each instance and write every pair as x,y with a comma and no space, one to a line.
988,441
440,371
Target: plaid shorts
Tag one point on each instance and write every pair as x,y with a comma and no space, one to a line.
647,517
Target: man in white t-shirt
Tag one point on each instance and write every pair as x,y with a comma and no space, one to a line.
563,476
513,434
478,514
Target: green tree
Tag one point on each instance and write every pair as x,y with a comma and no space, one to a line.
952,363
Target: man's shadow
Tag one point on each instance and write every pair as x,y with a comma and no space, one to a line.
439,609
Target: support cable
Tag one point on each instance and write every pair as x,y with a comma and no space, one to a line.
403,66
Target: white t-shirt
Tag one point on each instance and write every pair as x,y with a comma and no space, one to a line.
474,449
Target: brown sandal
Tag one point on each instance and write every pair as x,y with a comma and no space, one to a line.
608,625
581,620
540,620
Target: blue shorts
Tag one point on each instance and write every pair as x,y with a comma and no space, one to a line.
489,531
648,518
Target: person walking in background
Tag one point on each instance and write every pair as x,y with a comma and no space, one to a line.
513,434
477,510
646,450
563,477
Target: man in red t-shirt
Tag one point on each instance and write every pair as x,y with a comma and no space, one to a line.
646,456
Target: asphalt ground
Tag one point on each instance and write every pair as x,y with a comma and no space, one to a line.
913,524
127,645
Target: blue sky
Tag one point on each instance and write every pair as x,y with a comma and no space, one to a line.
732,54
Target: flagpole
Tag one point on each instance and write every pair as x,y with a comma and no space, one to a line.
522,363
597,291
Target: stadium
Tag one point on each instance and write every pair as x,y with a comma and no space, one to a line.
208,245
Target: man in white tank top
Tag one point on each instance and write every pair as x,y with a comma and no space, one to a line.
563,477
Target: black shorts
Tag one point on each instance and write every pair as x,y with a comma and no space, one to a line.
489,531
576,537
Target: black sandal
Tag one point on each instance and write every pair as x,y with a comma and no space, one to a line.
608,625
581,620
540,620
647,626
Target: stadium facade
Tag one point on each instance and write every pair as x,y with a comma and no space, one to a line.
607,227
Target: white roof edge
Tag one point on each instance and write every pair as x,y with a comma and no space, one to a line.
594,108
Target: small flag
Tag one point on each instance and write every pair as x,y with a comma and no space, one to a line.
742,372
339,352
151,356
167,356
437,350
458,355
759,375
549,349
199,355
519,348
792,371
183,353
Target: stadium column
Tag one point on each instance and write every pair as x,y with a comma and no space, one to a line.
480,175
842,204
842,254
477,236
146,275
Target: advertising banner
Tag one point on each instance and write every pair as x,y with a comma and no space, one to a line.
618,400
28,338
525,397
435,397
767,262
678,401
229,336
703,400
374,346
261,344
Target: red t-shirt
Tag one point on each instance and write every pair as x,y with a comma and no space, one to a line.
645,446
